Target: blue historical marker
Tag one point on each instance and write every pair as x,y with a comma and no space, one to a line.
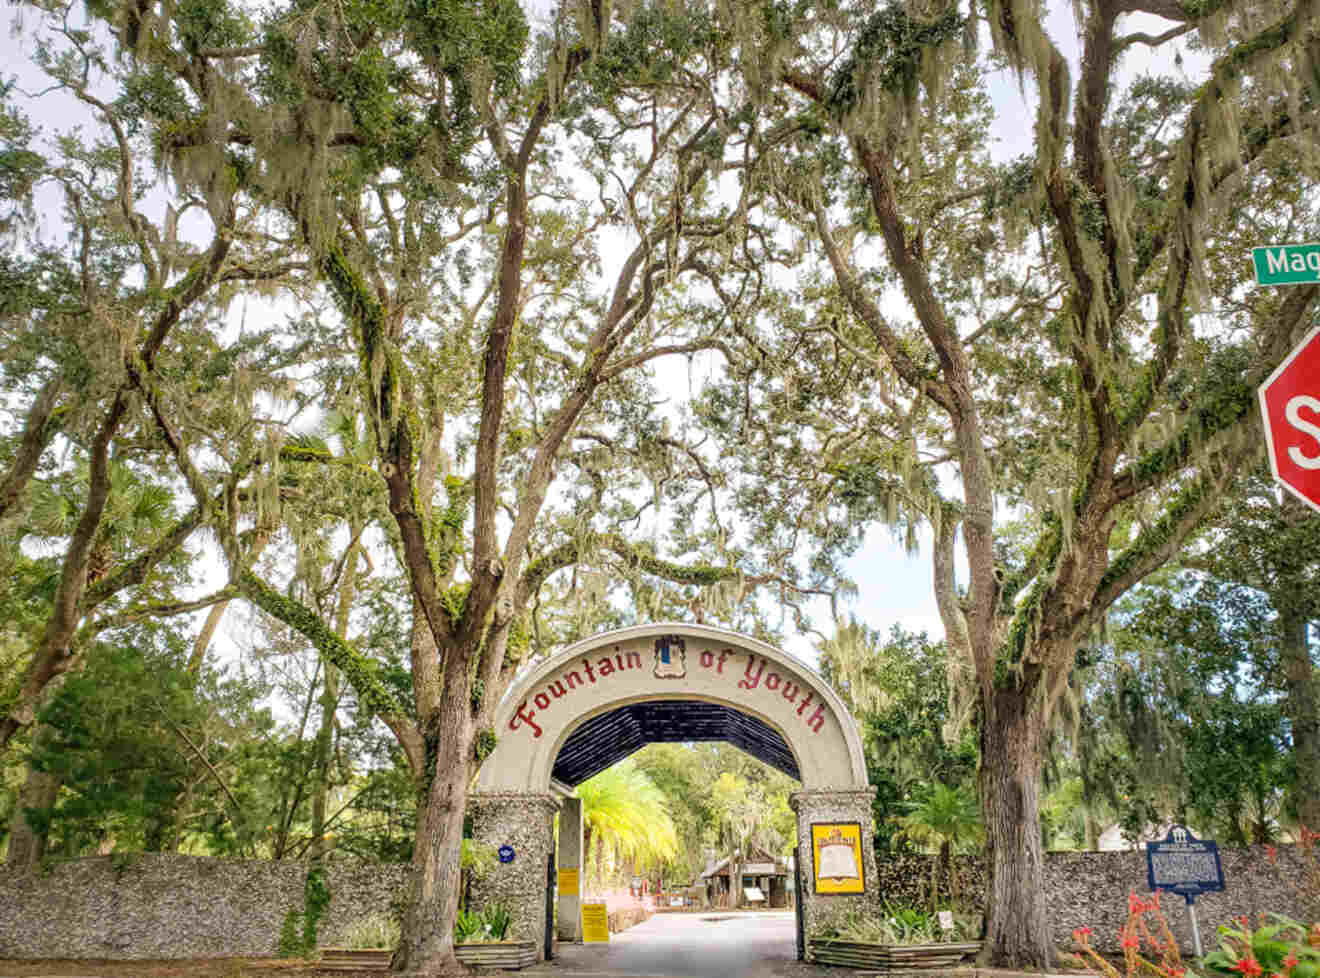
506,853
1185,865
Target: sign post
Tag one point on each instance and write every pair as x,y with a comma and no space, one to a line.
1186,865
1290,408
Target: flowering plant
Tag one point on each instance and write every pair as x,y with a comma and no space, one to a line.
1281,949
1161,958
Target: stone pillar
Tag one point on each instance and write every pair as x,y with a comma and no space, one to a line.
569,925
821,910
524,822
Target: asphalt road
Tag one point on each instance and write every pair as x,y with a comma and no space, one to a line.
717,944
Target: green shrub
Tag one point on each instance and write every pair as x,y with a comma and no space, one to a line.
468,927
481,926
498,919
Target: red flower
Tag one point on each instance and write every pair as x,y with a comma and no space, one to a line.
1131,940
1272,854
1081,934
1290,961
1249,967
1134,903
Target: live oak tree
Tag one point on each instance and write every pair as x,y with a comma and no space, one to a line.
418,151
106,333
1031,330
1247,599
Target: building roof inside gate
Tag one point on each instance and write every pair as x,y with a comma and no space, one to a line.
609,737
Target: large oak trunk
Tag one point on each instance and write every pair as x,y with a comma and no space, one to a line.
1304,711
27,843
1017,932
426,945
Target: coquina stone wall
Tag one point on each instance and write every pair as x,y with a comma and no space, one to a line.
823,911
1090,889
170,906
522,821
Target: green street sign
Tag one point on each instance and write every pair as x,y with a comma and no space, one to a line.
1297,264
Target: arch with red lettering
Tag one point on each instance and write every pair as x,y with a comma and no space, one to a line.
677,664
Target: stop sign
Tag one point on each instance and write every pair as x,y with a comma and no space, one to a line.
1290,404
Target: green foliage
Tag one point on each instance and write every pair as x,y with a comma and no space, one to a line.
118,737
362,672
483,744
896,925
1279,947
719,799
468,927
486,925
627,817
20,168
498,919
890,51
375,930
913,734
1182,721
291,935
316,900
945,815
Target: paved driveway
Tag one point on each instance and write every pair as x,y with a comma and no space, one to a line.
717,944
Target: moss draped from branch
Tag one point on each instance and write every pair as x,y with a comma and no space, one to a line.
361,671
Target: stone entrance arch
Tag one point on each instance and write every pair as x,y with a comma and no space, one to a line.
605,697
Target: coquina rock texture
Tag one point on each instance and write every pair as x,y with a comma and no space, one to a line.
171,906
1090,889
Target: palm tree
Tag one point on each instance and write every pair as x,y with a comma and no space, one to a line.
136,508
627,815
945,817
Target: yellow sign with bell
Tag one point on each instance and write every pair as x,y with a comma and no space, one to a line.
595,924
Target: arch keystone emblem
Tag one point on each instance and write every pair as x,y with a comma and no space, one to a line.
670,657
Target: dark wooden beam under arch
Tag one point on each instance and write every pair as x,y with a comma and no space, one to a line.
610,737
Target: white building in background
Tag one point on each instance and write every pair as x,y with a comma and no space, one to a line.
1112,840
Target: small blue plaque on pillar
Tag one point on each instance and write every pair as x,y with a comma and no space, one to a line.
506,853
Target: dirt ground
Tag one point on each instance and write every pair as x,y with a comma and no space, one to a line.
254,968
264,968
185,968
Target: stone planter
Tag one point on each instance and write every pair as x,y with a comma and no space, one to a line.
499,956
889,957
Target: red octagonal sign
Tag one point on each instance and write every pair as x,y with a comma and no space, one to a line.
1290,403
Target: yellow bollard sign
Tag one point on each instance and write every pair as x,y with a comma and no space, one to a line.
595,924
